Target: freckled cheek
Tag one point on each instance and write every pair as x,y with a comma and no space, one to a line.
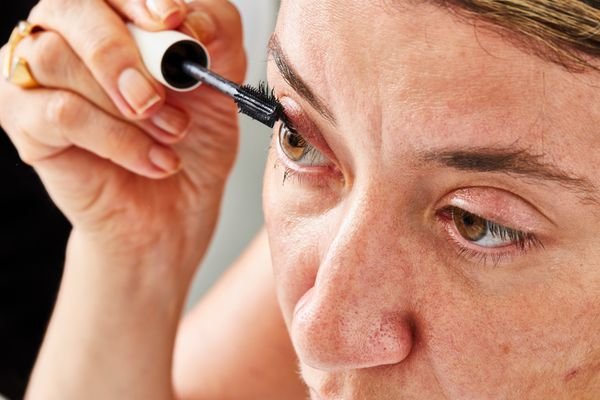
295,252
530,338
297,240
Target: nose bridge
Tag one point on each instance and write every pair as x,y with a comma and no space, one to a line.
357,316
368,250
357,243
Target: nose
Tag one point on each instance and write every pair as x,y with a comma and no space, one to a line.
357,314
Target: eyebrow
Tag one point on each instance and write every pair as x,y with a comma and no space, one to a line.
520,162
291,76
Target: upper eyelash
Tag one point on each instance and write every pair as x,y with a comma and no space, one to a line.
523,241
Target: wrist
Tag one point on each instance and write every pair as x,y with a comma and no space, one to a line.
112,330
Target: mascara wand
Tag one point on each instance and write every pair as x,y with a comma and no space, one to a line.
181,63
257,103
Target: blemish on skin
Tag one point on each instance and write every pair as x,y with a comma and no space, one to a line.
572,374
505,349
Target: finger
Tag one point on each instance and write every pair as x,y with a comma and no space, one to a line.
152,14
214,135
55,121
200,25
101,40
55,65
218,25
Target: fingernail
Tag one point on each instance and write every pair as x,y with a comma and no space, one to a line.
164,158
163,9
171,120
137,91
201,25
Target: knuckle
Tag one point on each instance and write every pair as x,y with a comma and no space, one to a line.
26,155
48,52
64,109
26,148
106,47
50,7
119,140
124,143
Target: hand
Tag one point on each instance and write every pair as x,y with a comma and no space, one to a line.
138,169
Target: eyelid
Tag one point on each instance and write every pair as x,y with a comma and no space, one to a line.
306,128
500,207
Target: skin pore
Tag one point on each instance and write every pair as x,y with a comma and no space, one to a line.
419,128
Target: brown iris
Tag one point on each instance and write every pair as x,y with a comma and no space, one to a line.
293,145
470,226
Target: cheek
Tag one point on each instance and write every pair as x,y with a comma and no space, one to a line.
542,341
297,224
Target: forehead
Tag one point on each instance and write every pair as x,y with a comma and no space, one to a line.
413,72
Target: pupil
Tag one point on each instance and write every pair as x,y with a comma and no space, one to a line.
292,144
470,226
295,140
468,220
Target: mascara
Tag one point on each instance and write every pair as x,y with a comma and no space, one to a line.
181,63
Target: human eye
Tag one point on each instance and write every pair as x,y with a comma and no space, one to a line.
483,239
297,149
304,156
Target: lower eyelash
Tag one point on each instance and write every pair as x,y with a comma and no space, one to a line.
315,177
480,257
288,173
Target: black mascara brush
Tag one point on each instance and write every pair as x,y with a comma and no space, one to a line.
257,103
181,63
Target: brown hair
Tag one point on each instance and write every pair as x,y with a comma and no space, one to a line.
564,31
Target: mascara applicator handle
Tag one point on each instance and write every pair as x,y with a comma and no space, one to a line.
164,52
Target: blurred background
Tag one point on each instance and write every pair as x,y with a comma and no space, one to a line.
242,214
33,233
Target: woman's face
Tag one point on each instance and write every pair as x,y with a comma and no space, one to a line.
434,212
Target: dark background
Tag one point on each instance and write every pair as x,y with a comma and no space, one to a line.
33,236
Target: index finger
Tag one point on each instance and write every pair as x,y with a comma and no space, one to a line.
99,36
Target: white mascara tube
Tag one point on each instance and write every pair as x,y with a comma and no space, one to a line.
163,53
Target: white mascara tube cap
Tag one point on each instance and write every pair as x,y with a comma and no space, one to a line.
163,53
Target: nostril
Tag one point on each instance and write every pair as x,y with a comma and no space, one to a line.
392,342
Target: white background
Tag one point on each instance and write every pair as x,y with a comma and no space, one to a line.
241,215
